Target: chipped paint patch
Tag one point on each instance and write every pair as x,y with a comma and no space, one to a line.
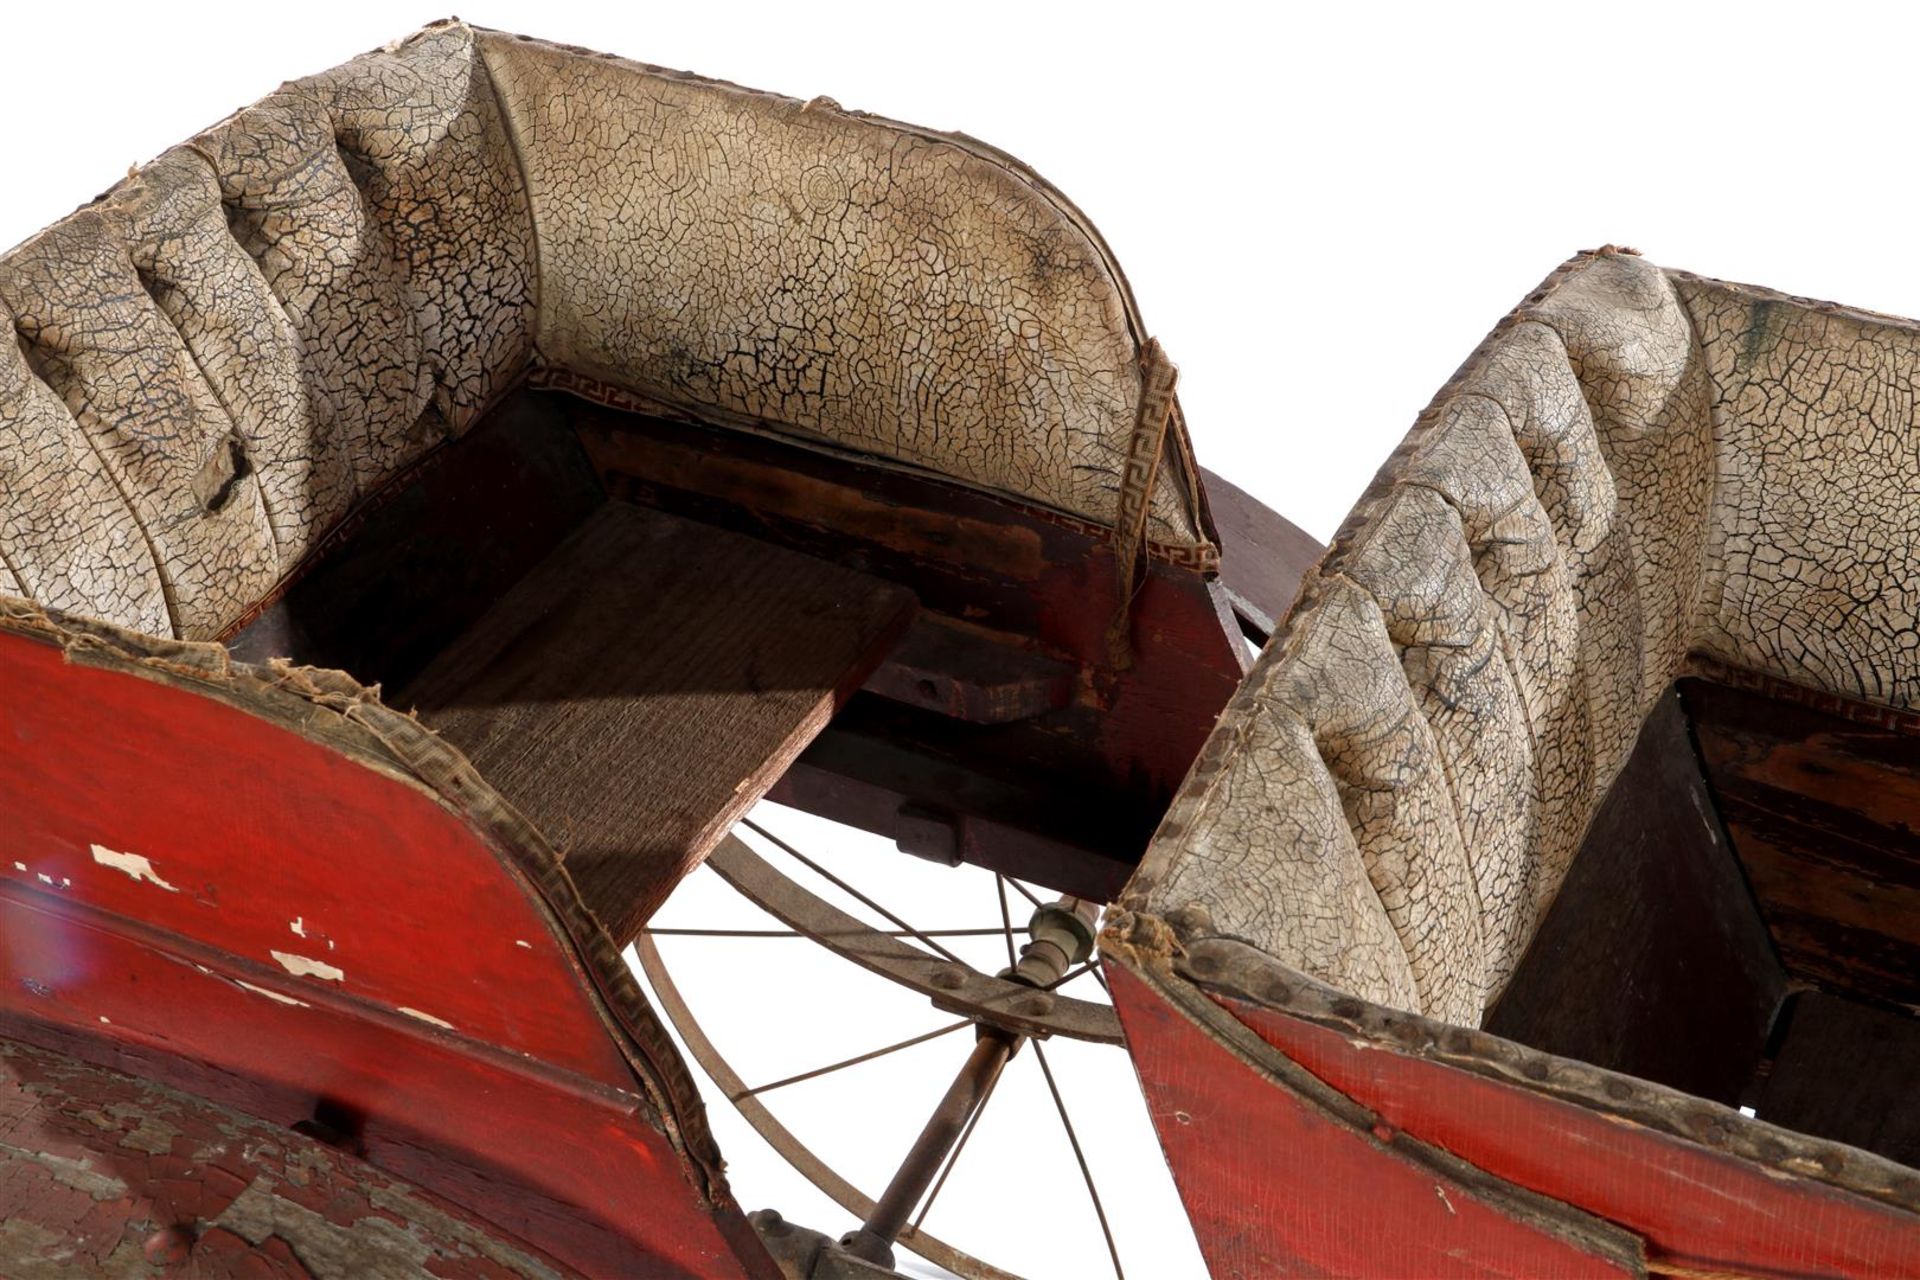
298,926
302,967
132,864
271,995
69,1171
426,1017
45,878
522,942
105,1019
19,866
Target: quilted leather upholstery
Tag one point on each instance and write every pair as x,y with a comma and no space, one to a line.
216,360
1634,467
212,364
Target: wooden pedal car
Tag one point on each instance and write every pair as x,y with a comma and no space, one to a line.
438,501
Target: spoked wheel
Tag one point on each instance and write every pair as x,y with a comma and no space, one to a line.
1038,982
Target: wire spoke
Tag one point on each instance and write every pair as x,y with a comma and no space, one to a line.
840,933
1006,917
825,874
1086,1174
1079,971
958,1147
1024,892
854,1061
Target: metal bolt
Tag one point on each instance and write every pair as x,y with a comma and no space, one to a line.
168,1246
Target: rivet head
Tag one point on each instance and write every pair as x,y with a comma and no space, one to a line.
950,977
1036,1005
167,1246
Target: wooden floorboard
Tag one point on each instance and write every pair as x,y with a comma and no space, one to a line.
643,686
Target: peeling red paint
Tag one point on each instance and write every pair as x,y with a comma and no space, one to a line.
103,1174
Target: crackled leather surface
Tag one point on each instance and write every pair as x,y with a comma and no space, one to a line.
213,364
1473,658
215,361
830,275
1635,466
1816,413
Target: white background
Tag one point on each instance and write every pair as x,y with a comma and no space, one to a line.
1321,209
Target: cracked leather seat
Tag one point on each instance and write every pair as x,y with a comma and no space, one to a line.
1640,477
221,362
221,358
1637,471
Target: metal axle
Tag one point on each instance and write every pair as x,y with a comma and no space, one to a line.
1061,936
873,1242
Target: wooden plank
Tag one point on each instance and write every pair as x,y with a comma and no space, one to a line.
424,558
987,569
1870,1103
1824,811
642,688
1044,577
972,674
1653,959
1263,555
1278,1185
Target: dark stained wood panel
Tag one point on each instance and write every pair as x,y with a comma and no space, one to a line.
1653,959
1824,811
1263,555
646,684
990,795
1847,1071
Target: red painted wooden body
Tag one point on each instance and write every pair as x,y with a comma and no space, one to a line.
1276,1187
1696,1209
119,1176
1426,1168
240,910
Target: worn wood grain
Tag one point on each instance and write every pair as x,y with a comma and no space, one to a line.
1824,811
106,1175
1653,959
646,684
